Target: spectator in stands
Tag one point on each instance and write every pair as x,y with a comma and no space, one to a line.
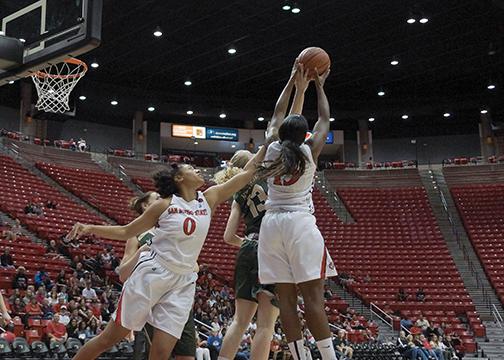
202,352
81,145
420,295
56,331
342,346
367,279
42,278
50,204
450,348
9,235
63,293
18,307
33,309
61,279
251,146
53,296
33,208
30,292
57,307
406,323
41,294
402,295
88,292
47,309
64,315
72,328
6,260
52,250
16,229
20,280
327,292
427,348
214,342
422,323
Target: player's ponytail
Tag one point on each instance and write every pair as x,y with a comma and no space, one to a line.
235,166
165,183
136,203
291,159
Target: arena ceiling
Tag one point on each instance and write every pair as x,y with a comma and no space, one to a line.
445,64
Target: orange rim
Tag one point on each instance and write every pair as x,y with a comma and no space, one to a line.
73,61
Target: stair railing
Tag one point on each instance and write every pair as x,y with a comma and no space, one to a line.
382,315
455,232
498,318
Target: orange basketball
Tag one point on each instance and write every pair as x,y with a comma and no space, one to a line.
315,57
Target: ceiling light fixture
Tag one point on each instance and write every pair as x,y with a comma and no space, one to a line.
189,112
222,115
295,9
405,116
484,111
188,83
492,50
371,119
82,97
233,146
381,92
232,50
260,118
114,102
331,119
491,85
151,108
423,20
11,82
22,40
287,5
411,20
95,65
394,62
157,32
196,143
446,114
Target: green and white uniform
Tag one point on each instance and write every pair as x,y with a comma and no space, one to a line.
251,201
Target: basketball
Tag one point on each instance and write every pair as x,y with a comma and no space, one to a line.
315,57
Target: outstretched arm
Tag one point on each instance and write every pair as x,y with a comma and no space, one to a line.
322,125
141,224
301,81
282,104
131,254
217,194
233,222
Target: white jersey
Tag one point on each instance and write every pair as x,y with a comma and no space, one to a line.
291,193
180,233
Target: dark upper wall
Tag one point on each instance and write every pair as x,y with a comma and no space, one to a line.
101,136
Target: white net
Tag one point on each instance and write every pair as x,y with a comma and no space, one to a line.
55,83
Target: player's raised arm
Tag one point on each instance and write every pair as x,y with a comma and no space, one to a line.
301,81
322,125
282,104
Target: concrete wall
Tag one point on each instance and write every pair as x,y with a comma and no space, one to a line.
9,118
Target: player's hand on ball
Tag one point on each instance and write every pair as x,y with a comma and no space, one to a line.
295,68
302,78
77,231
320,79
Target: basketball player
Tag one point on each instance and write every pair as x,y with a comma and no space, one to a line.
185,349
291,250
161,288
248,204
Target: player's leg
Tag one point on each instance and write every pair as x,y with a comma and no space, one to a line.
162,345
267,313
316,318
287,301
185,349
112,334
244,312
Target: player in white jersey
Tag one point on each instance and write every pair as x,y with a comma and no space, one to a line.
160,290
250,297
292,253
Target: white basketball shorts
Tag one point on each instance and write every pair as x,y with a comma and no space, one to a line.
292,249
155,295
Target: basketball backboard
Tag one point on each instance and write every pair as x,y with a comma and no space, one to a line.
50,31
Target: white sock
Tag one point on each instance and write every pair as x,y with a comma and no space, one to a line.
297,350
326,349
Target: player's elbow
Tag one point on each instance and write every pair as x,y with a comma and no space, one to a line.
123,276
228,237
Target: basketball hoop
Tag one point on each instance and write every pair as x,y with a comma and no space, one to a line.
55,83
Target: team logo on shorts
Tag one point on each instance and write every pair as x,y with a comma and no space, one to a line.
331,265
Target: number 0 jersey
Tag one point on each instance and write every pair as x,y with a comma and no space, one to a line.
291,192
251,201
180,233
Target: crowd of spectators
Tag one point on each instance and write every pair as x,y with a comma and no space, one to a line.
427,341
